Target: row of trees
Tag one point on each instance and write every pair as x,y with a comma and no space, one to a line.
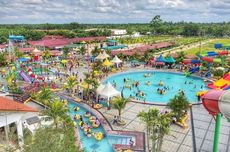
156,26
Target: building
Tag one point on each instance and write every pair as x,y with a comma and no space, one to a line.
118,31
11,116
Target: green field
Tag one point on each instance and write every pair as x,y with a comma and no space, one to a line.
209,46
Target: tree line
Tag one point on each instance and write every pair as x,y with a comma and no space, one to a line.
156,26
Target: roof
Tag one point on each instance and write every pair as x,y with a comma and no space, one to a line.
28,49
11,105
140,50
2,46
51,43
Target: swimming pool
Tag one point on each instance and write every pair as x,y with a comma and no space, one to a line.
174,82
90,144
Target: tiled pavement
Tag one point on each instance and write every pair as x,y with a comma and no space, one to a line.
179,140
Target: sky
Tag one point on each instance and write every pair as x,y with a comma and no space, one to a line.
112,11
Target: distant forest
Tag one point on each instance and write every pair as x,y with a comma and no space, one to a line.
156,26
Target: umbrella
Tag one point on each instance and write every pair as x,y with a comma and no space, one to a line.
107,63
116,60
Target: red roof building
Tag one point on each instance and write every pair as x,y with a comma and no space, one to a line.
11,105
61,42
140,50
29,49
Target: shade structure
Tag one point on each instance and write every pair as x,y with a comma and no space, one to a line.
100,57
107,63
160,59
170,59
36,51
100,88
105,55
116,60
108,91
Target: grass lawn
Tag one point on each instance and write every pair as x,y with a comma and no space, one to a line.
208,47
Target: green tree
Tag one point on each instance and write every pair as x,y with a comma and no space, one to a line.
51,139
57,111
119,103
3,60
46,54
65,51
95,51
70,83
158,125
82,50
179,104
45,95
156,23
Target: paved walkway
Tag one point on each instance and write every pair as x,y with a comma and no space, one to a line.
179,140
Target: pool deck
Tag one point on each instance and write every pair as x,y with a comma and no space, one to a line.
179,139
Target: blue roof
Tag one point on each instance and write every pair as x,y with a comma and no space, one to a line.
17,37
112,41
23,59
114,47
160,59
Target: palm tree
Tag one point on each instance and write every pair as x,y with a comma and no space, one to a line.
119,104
95,51
65,51
157,125
179,104
3,60
70,83
82,50
46,54
181,56
57,111
45,95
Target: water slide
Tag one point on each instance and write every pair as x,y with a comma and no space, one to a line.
191,61
193,70
24,76
222,83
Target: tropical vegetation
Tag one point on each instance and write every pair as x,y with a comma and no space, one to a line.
158,125
179,105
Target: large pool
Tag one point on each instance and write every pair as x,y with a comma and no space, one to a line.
174,82
90,144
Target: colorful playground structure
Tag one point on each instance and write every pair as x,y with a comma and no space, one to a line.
217,103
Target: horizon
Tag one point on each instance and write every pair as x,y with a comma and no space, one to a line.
112,11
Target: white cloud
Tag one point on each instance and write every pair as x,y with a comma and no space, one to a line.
109,11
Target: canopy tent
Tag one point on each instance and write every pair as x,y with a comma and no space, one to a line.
108,91
107,63
105,54
160,59
100,57
170,59
100,88
116,60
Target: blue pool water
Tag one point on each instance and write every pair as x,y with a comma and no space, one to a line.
174,81
90,144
